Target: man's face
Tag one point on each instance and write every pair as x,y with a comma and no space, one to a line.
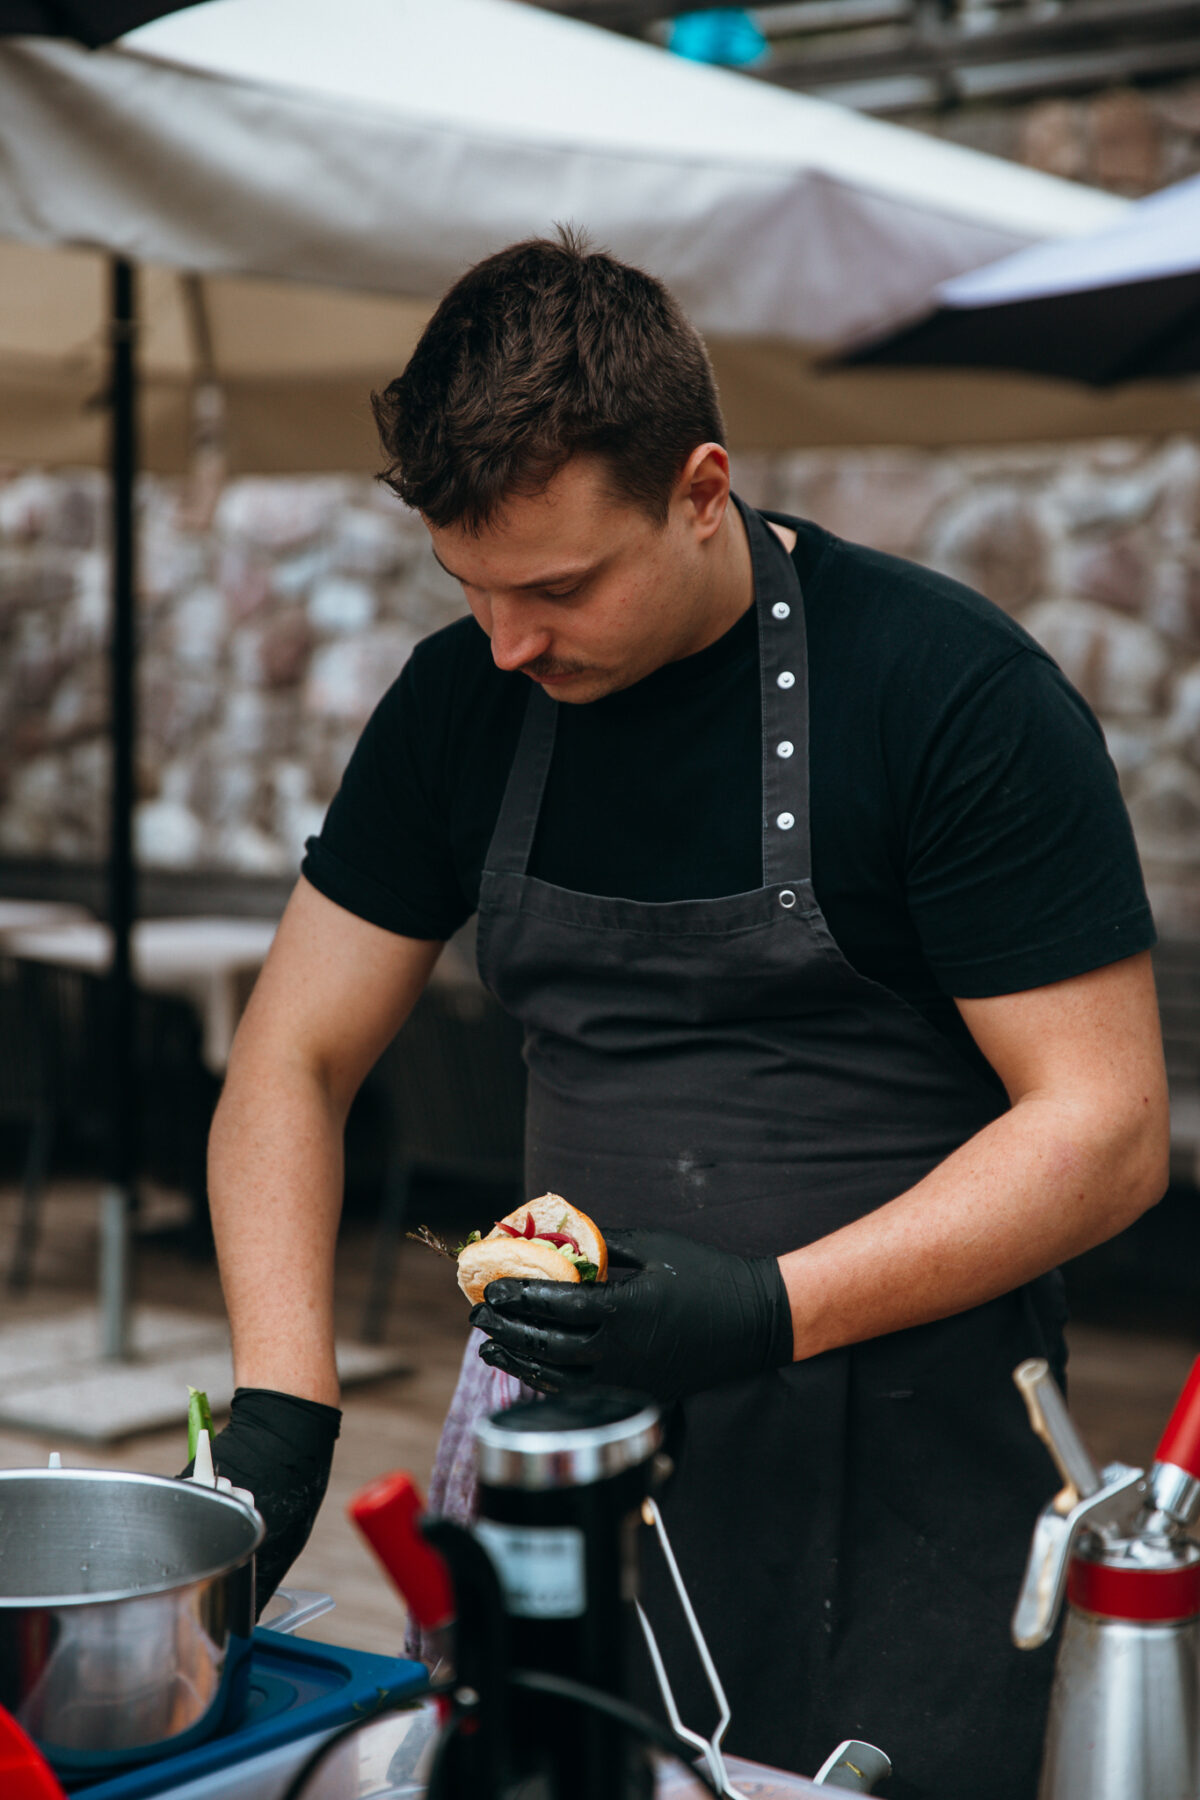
583,592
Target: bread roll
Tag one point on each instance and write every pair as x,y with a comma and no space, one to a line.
500,1255
493,1259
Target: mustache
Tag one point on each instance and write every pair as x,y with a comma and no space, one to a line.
545,668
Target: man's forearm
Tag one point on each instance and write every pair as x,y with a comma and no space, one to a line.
1044,1182
275,1189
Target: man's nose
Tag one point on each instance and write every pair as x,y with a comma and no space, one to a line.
516,641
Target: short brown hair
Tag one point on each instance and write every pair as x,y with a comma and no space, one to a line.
544,350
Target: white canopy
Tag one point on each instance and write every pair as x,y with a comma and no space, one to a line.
282,149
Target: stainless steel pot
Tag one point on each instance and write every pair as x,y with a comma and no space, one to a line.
126,1611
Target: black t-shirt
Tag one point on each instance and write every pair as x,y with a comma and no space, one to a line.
968,834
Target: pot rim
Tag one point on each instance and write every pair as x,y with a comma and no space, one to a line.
124,1477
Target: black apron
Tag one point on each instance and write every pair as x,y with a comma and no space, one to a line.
853,1527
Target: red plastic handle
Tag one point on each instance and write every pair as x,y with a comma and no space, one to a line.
386,1512
24,1772
1180,1443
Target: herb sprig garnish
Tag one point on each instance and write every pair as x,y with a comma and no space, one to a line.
423,1235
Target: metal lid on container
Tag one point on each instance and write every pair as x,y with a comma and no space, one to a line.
567,1440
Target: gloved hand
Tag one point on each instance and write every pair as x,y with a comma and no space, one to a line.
688,1317
280,1447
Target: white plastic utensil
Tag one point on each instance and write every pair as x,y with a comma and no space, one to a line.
204,1474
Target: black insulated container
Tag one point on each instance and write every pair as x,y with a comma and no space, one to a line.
562,1483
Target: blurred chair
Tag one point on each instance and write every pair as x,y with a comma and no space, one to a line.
26,1100
179,1095
452,1089
55,1078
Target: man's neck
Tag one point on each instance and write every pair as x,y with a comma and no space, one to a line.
733,582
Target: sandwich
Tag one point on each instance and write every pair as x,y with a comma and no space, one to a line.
546,1239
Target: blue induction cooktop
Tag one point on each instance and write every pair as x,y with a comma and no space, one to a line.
297,1689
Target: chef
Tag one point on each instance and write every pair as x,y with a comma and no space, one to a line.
807,875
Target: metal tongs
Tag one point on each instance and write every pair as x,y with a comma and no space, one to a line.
853,1765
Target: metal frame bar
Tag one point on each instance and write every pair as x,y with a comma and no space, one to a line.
118,1199
898,55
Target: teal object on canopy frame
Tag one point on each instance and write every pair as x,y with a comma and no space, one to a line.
728,35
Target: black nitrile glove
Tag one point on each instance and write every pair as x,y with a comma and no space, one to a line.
688,1317
280,1447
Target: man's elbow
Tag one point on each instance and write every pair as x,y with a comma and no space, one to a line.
1142,1156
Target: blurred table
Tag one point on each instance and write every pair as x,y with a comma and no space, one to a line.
32,915
210,961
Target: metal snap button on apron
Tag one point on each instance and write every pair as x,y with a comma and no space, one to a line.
785,821
781,610
785,679
785,749
787,898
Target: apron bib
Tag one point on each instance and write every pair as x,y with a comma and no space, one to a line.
852,1528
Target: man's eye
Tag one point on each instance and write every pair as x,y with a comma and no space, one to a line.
562,593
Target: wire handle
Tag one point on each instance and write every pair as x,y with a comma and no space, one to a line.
710,1748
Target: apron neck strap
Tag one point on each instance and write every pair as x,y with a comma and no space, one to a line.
783,675
512,840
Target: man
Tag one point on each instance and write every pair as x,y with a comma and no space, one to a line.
808,876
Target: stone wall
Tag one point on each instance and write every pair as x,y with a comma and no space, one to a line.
265,641
1129,140
267,638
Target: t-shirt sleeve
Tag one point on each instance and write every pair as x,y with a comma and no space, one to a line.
384,851
1022,868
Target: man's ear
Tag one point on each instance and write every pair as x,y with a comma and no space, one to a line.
703,487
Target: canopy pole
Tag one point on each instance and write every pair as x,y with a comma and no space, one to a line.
120,1194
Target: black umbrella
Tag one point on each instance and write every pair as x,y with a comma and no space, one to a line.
1119,305
91,22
